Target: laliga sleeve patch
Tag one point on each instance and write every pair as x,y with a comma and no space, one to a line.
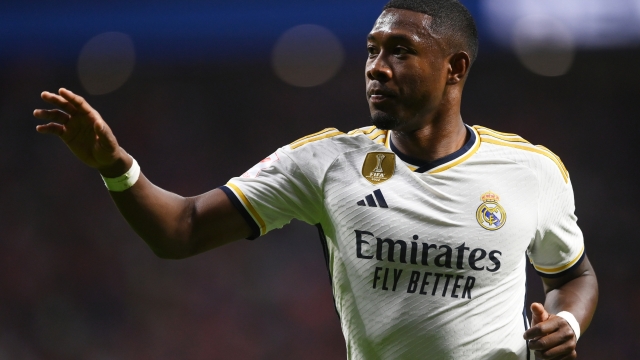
379,167
257,168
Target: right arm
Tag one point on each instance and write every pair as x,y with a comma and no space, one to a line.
173,226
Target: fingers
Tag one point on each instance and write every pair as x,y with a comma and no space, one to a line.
562,351
539,314
55,115
56,127
58,101
573,355
67,101
552,339
544,328
77,101
51,128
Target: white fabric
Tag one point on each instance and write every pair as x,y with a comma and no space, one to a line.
450,289
572,322
124,181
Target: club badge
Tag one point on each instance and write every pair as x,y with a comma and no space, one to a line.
379,167
491,214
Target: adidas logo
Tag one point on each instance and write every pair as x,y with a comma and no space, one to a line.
371,202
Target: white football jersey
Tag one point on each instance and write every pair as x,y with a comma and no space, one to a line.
427,260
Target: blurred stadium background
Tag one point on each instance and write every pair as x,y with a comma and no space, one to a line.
199,91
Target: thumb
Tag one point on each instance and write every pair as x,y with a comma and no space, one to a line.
539,314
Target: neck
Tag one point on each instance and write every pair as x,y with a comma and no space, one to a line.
437,139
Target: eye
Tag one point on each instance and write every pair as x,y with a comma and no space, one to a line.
372,50
400,51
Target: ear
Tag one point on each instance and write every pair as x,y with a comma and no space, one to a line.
459,64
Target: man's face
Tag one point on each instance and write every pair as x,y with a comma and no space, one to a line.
406,70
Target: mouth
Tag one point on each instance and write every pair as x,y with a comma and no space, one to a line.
379,95
378,98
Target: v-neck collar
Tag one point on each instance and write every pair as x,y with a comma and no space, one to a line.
450,160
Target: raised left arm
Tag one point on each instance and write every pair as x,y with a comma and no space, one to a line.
576,292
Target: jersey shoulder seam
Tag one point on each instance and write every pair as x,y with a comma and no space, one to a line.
374,134
378,136
515,141
317,136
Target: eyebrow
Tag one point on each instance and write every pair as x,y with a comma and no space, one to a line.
393,37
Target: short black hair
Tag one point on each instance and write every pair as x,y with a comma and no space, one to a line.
449,18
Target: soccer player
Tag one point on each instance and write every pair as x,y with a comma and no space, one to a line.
427,223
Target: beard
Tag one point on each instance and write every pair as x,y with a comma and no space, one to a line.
384,121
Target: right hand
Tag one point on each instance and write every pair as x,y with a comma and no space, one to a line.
83,131
550,336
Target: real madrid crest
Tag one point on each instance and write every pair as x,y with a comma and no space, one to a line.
490,214
379,167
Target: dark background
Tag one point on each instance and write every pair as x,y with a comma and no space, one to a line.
77,283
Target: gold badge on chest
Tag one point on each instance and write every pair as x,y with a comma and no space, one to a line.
490,214
379,167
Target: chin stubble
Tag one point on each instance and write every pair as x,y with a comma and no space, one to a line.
384,121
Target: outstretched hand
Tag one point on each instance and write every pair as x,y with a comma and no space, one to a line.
81,128
550,336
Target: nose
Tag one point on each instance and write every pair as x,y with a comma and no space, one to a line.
378,69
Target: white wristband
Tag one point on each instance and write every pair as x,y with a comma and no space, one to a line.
125,181
572,322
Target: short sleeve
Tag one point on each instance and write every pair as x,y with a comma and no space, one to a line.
273,192
558,245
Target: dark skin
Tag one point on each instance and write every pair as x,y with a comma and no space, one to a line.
417,77
576,292
173,226
412,75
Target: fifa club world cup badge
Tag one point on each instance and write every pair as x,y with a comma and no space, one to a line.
379,167
490,214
